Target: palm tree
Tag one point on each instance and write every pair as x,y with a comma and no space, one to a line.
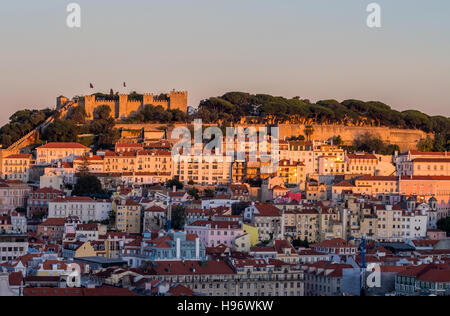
309,130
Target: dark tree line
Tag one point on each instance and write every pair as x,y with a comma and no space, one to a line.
231,107
21,123
67,130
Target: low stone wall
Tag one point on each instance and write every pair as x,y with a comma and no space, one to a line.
406,139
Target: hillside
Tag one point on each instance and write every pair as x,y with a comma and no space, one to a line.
350,119
263,108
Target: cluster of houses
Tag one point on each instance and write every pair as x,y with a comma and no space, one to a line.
316,222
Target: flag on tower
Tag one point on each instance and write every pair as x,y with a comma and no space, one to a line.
91,86
124,84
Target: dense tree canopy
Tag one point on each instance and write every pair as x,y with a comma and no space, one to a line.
88,185
444,224
370,143
21,123
233,105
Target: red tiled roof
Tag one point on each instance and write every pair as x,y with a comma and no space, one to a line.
436,160
343,184
67,199
361,156
192,268
181,290
421,153
53,222
19,156
267,209
377,178
441,276
155,208
63,145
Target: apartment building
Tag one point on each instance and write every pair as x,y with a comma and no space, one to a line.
292,172
331,165
361,163
390,221
13,194
426,167
85,208
316,191
128,215
215,233
406,167
267,219
93,163
16,167
324,278
299,151
267,277
54,152
38,200
302,224
12,246
164,247
203,170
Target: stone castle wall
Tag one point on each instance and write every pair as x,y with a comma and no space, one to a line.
123,107
406,139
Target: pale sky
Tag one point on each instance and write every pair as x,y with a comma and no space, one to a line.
319,49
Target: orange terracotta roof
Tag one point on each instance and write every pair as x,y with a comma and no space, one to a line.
62,146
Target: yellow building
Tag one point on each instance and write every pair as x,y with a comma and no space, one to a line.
16,167
128,216
316,191
253,232
87,250
292,172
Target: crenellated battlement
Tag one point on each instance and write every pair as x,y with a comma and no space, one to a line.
122,106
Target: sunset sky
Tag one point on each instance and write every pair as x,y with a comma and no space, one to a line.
319,49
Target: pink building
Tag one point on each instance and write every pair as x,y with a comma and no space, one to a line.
214,233
426,187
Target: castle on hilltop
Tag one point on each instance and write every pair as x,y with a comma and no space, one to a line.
125,105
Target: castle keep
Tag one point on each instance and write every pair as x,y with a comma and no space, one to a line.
123,105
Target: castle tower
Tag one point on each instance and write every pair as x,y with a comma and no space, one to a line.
148,99
178,100
60,101
89,106
121,107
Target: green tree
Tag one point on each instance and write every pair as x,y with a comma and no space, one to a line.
83,170
103,127
174,182
309,130
78,115
194,193
178,217
61,131
425,144
88,185
444,224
